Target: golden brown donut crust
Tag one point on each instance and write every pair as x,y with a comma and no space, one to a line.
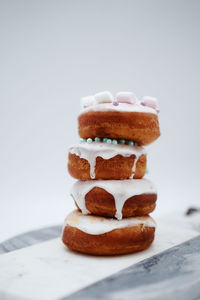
117,167
142,128
118,241
101,203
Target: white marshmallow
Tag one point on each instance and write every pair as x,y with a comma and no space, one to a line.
104,97
87,101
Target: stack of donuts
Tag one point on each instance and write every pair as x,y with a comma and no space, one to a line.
113,199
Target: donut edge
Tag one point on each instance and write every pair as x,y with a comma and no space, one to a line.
79,168
118,241
142,128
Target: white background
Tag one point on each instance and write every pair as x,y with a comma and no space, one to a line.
54,52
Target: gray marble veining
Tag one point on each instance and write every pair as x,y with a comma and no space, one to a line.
30,238
172,274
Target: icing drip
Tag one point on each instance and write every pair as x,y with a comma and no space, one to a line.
91,151
120,189
122,107
134,167
99,225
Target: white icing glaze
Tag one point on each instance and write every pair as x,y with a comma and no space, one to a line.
99,225
122,107
91,151
120,189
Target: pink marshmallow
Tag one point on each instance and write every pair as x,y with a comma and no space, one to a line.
126,97
150,102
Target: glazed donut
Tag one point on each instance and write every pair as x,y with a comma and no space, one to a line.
125,121
115,198
106,161
105,236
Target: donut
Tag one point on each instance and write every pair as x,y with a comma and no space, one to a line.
131,121
105,236
115,198
106,161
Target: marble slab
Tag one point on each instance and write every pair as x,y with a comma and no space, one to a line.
50,271
172,274
30,238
